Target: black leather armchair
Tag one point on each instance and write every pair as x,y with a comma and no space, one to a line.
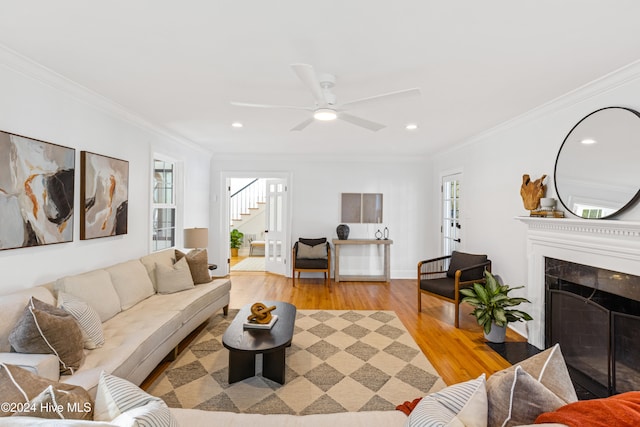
443,277
311,255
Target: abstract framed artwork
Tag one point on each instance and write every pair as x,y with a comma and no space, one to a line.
104,196
36,192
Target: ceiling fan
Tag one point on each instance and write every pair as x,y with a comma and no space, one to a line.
325,107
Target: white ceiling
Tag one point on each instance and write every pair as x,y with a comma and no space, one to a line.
178,64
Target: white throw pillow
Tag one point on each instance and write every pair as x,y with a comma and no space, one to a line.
175,278
125,404
95,288
87,317
131,282
312,252
459,405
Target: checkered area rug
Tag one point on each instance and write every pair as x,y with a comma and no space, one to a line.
338,361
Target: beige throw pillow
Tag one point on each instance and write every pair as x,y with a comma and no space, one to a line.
131,282
17,385
175,278
312,252
198,261
45,329
518,394
94,287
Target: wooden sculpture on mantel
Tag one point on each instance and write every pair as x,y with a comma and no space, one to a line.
532,191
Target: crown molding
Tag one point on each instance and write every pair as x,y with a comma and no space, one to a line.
27,67
594,88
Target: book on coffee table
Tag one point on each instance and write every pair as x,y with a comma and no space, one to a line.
255,325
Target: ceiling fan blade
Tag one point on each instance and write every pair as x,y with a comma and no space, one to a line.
308,76
303,125
289,107
385,96
358,121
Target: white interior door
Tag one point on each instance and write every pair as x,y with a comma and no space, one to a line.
275,250
451,226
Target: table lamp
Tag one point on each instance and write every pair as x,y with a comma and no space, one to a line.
196,238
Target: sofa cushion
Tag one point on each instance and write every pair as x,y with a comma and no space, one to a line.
131,282
130,338
462,260
18,385
191,302
175,278
518,394
87,318
44,328
198,261
124,403
46,366
94,287
462,404
165,257
12,308
311,252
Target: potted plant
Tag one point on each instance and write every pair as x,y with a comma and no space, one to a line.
235,241
491,302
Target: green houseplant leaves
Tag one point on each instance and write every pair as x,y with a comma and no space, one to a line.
491,302
235,238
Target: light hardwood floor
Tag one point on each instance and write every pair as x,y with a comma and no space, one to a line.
457,354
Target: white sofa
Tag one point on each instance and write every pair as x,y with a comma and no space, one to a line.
146,328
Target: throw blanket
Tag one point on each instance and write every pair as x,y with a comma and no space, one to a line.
622,410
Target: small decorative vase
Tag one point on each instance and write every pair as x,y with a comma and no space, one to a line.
378,234
343,231
497,334
386,233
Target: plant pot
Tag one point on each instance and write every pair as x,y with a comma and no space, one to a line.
234,252
496,334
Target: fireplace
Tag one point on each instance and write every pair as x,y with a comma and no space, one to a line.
594,314
600,253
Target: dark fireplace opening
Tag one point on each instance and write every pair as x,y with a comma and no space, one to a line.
595,316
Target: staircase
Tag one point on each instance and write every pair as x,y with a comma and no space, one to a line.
247,203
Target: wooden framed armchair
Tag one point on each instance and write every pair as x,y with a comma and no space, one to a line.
311,255
443,277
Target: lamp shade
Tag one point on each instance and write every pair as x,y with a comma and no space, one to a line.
196,237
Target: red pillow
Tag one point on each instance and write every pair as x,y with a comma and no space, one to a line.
622,410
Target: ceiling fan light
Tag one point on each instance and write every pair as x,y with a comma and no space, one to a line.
325,114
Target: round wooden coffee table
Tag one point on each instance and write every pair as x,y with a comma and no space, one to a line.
244,343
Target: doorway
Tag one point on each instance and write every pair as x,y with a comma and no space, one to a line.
257,212
450,227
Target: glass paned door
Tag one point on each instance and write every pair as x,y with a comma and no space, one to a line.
275,234
451,226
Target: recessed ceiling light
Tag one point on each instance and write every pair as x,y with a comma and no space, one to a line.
325,114
411,126
588,141
236,124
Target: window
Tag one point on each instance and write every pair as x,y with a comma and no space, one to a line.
164,205
450,227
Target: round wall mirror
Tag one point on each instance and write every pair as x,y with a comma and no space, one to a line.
597,173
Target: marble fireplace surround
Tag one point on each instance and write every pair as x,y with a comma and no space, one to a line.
609,244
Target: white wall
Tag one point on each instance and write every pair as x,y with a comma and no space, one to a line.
315,194
39,104
493,165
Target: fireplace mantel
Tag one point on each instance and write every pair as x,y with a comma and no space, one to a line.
609,244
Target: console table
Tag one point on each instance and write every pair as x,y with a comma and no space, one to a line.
363,278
